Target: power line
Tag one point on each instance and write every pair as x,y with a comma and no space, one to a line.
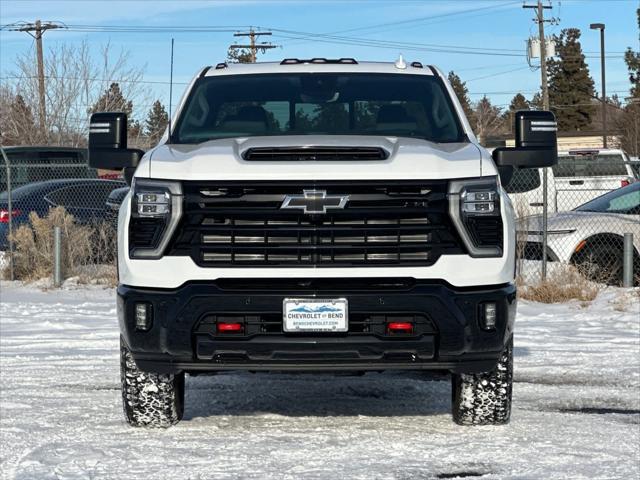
496,74
143,28
419,20
93,79
320,37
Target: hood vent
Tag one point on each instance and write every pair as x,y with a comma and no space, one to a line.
312,154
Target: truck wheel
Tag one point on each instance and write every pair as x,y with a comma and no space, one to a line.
149,399
484,398
601,263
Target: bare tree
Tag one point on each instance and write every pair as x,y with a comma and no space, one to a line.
74,79
488,119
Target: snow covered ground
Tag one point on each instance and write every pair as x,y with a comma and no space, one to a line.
576,406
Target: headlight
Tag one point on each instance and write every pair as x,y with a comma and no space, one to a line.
153,204
156,208
474,206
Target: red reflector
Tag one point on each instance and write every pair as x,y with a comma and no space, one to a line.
229,327
625,182
400,327
4,215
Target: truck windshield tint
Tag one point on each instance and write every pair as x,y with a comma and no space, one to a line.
590,165
318,104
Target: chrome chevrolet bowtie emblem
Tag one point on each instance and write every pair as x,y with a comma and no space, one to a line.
315,201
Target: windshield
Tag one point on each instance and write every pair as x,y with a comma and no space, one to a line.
318,104
623,200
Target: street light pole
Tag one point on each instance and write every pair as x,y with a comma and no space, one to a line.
600,26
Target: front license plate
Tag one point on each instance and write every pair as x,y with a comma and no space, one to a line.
315,315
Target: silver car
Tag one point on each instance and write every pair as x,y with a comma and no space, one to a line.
591,235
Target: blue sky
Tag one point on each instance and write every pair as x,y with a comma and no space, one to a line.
500,27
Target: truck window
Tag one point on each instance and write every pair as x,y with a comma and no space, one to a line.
37,164
321,104
589,166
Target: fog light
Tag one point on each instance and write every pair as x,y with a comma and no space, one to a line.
144,316
489,316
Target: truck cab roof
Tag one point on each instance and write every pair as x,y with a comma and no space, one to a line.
318,65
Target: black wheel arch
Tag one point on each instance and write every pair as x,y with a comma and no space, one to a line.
598,240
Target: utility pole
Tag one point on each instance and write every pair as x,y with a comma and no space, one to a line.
545,106
253,46
600,26
36,30
543,49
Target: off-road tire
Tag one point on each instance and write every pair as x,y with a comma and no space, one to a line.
484,398
149,399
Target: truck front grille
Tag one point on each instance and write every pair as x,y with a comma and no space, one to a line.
382,224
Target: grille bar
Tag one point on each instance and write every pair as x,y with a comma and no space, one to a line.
395,224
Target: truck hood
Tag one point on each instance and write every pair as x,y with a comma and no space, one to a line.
408,159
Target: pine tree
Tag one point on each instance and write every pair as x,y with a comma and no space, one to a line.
18,124
518,102
156,122
632,59
112,100
629,122
536,102
461,91
239,55
570,85
23,118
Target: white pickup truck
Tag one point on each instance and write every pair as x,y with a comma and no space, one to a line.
579,176
317,215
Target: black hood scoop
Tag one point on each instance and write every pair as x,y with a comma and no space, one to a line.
313,154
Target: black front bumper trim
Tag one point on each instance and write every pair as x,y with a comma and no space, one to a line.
181,338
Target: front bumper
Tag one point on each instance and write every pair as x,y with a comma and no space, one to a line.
447,335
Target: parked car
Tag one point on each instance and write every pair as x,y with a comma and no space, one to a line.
579,176
114,200
36,164
590,235
85,199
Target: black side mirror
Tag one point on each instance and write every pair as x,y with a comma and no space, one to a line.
536,142
108,143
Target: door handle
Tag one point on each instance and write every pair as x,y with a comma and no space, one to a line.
576,182
536,204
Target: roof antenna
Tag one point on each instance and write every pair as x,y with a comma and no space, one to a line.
170,90
400,63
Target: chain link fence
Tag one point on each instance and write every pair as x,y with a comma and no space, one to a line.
592,202
44,188
589,214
